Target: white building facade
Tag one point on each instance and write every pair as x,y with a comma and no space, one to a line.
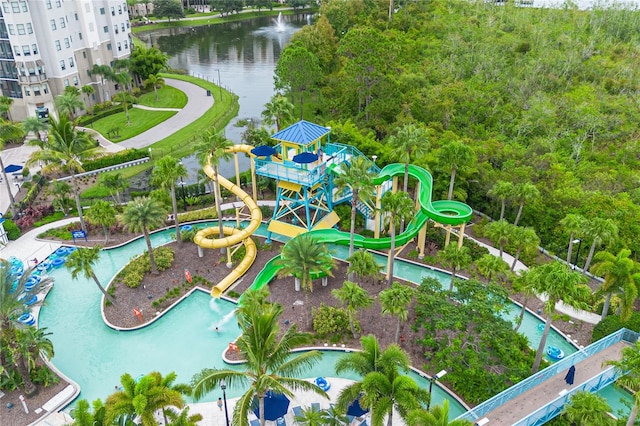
46,45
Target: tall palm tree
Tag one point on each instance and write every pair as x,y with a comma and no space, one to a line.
621,276
354,298
365,361
303,257
34,343
165,174
524,283
143,398
357,177
455,155
454,258
410,142
104,214
602,231
68,102
489,266
398,205
7,131
213,148
628,367
105,72
586,408
523,193
526,240
35,125
88,90
142,215
558,282
12,290
156,81
576,225
501,191
269,366
499,233
436,416
82,262
60,191
116,185
395,301
364,265
278,111
67,149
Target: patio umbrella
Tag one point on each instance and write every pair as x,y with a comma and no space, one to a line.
12,168
263,151
275,405
305,158
356,410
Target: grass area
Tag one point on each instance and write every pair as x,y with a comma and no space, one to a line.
218,116
141,120
168,97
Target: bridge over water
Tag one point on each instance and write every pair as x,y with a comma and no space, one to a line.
541,397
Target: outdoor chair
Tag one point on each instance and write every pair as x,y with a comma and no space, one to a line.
297,411
255,422
315,406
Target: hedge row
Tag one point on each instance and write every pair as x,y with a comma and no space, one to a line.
117,158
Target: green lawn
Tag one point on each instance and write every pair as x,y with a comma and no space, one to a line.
141,120
168,97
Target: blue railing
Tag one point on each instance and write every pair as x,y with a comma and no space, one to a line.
303,174
531,382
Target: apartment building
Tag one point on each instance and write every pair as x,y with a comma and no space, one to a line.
46,45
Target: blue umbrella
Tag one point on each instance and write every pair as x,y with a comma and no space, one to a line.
305,158
263,151
275,405
12,168
356,410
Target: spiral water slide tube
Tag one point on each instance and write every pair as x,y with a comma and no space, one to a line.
209,237
447,212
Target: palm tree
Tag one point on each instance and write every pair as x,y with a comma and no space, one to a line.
526,240
558,282
213,148
143,398
116,185
124,98
270,365
7,131
356,177
410,142
168,382
311,417
501,191
395,301
575,224
34,343
303,257
60,191
105,72
621,276
585,409
602,231
141,215
364,265
499,233
524,284
436,416
628,367
454,258
183,418
82,415
522,193
12,290
35,125
489,266
82,262
66,150
354,298
455,155
278,111
88,90
165,174
334,418
156,81
103,214
68,102
398,205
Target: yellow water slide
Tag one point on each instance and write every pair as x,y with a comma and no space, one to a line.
209,237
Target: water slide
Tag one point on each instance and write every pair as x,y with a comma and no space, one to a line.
447,212
209,237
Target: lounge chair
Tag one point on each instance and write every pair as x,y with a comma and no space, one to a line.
255,422
280,421
297,411
315,406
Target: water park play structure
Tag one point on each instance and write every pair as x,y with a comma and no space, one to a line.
304,164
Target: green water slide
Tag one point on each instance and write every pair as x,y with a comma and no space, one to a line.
443,211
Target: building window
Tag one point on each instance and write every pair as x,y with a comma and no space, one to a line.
58,47
66,43
36,90
75,80
16,50
12,30
108,46
115,29
119,47
21,30
122,27
58,3
113,11
53,24
66,82
26,50
126,44
15,7
29,28
63,66
27,92
102,11
34,47
5,7
127,24
90,27
71,63
76,16
120,10
106,29
24,6
62,23
84,55
80,36
48,2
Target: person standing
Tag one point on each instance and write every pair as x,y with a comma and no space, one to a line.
220,403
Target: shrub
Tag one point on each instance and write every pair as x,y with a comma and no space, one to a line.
117,158
133,274
12,230
329,321
612,324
